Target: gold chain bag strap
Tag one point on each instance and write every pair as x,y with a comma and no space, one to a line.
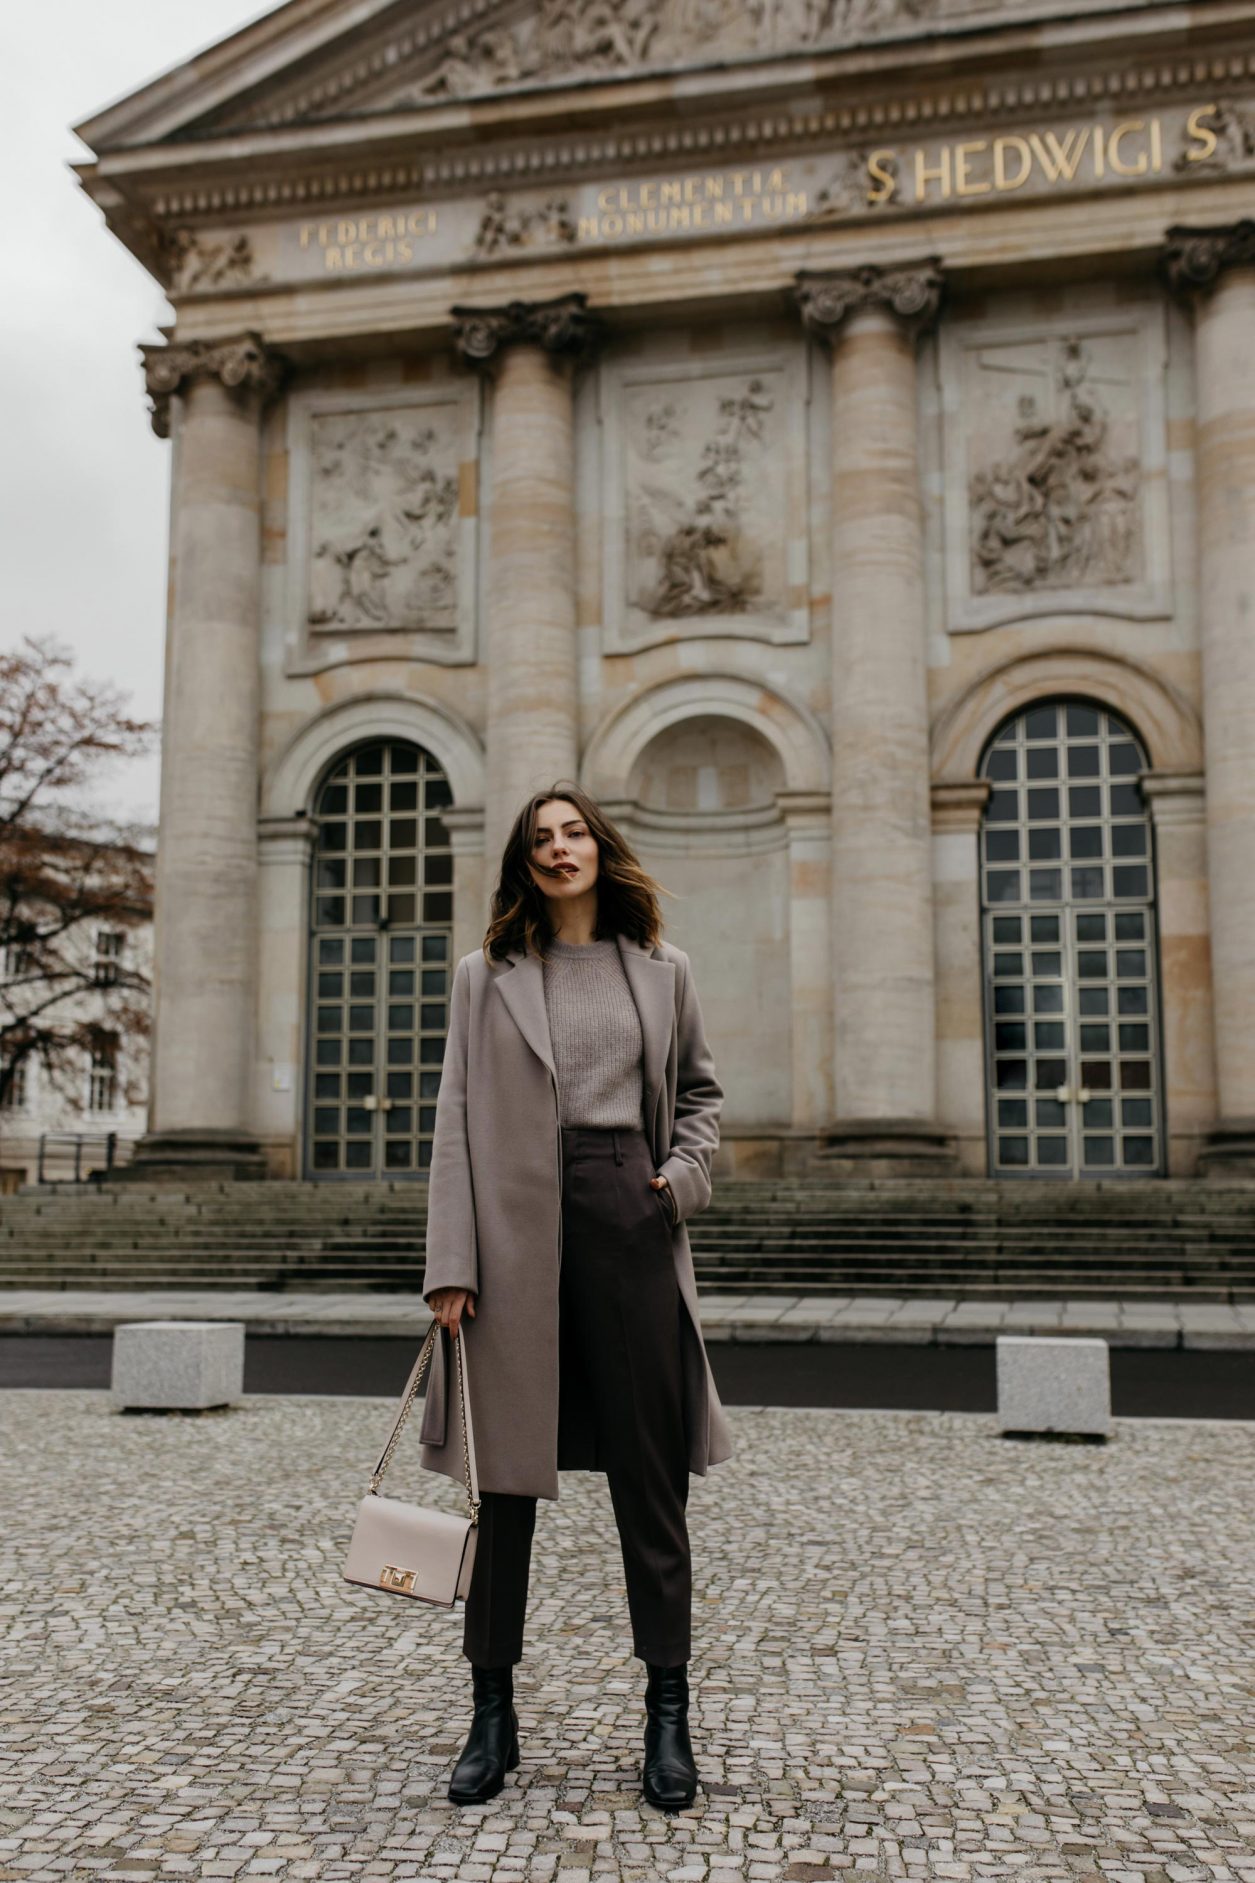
411,1549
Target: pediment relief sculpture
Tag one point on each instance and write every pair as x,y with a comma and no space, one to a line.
593,38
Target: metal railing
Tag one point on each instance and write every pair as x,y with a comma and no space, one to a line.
57,1145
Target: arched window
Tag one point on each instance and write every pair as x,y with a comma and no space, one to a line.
381,938
1069,948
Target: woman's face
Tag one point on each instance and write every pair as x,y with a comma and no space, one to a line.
564,855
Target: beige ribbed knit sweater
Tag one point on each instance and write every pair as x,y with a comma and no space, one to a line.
595,1031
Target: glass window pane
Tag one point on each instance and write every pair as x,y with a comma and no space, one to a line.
1010,999
1098,1150
1045,885
1049,1111
1138,1150
1043,802
1012,1150
1084,761
1042,761
1085,840
1045,843
1086,883
1042,722
1129,880
1013,1111
1002,764
1052,1151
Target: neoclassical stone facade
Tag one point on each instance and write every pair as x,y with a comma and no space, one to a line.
828,431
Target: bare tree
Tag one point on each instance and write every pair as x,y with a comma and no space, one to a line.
66,872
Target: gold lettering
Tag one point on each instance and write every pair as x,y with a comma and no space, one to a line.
669,193
963,186
881,177
636,222
1059,160
1156,144
723,214
699,216
937,173
612,225
690,188
1100,152
334,259
679,216
304,235
603,196
747,209
405,251
375,254
647,195
1139,167
776,180
738,182
587,229
347,232
1206,137
1019,147
714,186
795,203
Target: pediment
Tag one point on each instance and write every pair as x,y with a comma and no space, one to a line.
318,62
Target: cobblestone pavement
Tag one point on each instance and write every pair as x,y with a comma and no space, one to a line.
921,1651
844,1319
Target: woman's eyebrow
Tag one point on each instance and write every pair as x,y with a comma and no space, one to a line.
543,830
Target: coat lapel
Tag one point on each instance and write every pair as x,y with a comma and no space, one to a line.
652,982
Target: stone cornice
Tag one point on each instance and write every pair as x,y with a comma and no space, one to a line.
583,129
243,364
911,293
1195,259
562,326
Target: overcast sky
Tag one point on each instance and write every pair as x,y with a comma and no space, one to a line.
83,482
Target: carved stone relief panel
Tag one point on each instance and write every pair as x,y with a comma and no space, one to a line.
706,500
381,530
1056,494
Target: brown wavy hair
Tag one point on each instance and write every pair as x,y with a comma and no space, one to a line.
627,897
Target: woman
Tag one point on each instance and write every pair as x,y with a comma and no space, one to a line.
576,1121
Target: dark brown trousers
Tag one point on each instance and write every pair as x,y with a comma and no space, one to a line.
619,1367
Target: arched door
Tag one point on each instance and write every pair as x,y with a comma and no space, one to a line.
1069,949
381,936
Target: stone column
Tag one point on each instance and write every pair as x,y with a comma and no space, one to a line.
531,349
961,1094
882,925
808,820
1177,803
1216,269
207,873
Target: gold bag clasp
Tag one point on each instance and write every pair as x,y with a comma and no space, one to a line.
390,1577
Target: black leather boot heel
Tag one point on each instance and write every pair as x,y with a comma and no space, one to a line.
492,1745
669,1776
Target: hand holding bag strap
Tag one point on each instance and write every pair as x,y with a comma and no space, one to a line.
408,1397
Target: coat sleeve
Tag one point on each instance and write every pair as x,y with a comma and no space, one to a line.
452,1250
698,1102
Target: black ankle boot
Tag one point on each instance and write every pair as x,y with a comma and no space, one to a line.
669,1776
492,1745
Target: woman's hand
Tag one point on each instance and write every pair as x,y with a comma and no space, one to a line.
449,1304
661,1183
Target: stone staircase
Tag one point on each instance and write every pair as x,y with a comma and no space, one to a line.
967,1239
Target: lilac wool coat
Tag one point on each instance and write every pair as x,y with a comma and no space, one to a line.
494,1217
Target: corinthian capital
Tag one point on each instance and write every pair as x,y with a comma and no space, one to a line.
244,364
912,294
561,326
1196,258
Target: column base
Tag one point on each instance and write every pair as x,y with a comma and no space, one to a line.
1228,1151
208,1155
888,1147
